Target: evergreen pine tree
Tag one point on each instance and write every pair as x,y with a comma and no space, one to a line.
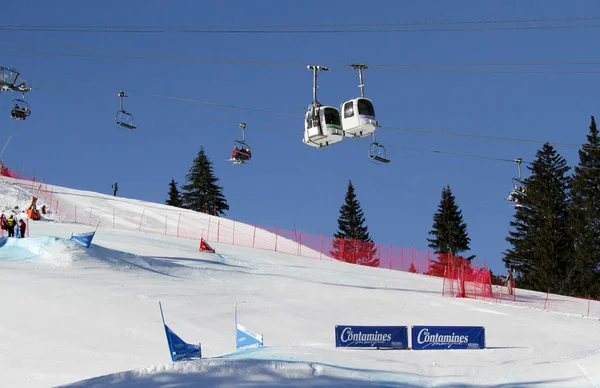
583,272
201,192
541,246
449,233
174,195
352,242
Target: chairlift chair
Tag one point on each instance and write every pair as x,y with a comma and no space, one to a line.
241,150
377,152
358,114
21,109
518,191
322,124
123,118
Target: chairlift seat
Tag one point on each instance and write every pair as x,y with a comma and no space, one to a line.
23,111
125,120
243,154
125,125
379,159
377,152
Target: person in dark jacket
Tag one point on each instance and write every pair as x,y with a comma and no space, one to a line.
11,226
23,227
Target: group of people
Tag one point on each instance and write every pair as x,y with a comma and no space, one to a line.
240,154
20,113
15,228
517,194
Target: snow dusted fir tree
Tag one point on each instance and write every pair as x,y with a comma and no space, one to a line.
201,192
352,242
449,233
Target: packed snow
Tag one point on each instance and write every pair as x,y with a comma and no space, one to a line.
78,317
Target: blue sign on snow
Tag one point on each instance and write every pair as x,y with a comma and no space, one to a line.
394,337
448,337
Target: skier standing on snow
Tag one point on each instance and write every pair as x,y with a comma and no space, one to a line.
115,188
11,226
23,226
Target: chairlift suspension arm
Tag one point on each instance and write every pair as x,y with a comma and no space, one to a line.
243,126
121,95
519,161
314,69
360,68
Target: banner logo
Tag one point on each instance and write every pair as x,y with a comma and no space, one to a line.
448,337
372,336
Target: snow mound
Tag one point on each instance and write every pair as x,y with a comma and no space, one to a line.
61,252
232,372
43,249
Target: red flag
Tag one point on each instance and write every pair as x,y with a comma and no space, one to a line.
204,247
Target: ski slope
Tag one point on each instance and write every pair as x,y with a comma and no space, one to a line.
79,317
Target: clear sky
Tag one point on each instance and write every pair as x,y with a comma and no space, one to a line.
192,89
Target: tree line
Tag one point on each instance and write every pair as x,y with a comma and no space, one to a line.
554,236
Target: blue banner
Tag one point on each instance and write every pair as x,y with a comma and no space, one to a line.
448,337
246,339
394,337
85,239
179,349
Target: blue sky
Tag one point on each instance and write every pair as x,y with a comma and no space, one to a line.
70,138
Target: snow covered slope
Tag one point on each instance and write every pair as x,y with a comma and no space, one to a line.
89,317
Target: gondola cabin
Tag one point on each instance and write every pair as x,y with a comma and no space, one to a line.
358,117
323,128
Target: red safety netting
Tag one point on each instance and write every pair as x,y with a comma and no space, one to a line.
462,279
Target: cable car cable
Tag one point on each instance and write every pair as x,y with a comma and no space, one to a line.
482,137
322,27
262,129
342,67
294,65
492,21
427,131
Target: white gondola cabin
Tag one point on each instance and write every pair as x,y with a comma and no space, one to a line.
358,117
322,127
322,124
